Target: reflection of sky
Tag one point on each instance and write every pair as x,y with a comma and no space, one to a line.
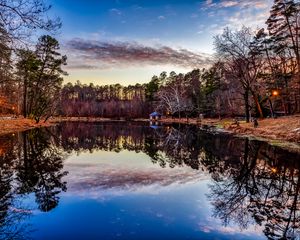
145,202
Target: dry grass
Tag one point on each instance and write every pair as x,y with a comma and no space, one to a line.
284,128
19,124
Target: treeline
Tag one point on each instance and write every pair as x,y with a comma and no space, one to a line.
117,101
111,101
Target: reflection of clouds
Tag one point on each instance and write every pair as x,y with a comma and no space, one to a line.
21,210
213,225
95,181
253,229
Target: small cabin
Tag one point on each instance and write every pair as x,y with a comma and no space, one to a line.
155,116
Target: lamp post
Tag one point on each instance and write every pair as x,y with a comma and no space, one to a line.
274,93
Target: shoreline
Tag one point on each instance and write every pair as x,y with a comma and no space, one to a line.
13,125
284,131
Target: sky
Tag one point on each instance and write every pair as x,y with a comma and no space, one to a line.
128,41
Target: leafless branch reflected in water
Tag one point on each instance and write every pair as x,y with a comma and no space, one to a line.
264,190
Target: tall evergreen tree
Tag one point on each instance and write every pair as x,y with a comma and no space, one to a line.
27,67
41,76
284,29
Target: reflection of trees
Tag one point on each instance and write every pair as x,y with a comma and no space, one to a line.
10,227
230,198
177,147
261,188
166,146
11,214
252,181
29,162
39,169
107,137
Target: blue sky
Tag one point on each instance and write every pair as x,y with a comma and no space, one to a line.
127,41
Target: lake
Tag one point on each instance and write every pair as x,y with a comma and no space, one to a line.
134,181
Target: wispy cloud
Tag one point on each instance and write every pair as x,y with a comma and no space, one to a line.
236,13
259,4
115,11
104,54
229,4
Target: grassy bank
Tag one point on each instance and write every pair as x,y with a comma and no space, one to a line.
19,124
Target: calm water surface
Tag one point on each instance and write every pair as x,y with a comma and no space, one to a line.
131,181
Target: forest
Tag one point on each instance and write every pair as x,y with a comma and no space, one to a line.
256,72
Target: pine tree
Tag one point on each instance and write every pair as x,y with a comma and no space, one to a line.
283,28
41,73
27,67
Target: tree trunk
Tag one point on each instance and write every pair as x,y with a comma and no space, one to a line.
25,98
261,115
298,76
271,108
247,107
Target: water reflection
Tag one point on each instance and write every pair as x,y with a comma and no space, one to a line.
30,162
251,181
264,187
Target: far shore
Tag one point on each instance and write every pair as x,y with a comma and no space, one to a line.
280,130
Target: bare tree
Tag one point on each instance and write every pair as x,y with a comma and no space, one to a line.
241,63
173,96
20,17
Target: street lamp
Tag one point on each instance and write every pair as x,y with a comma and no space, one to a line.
274,170
274,93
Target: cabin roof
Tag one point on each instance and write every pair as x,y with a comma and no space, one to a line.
155,114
